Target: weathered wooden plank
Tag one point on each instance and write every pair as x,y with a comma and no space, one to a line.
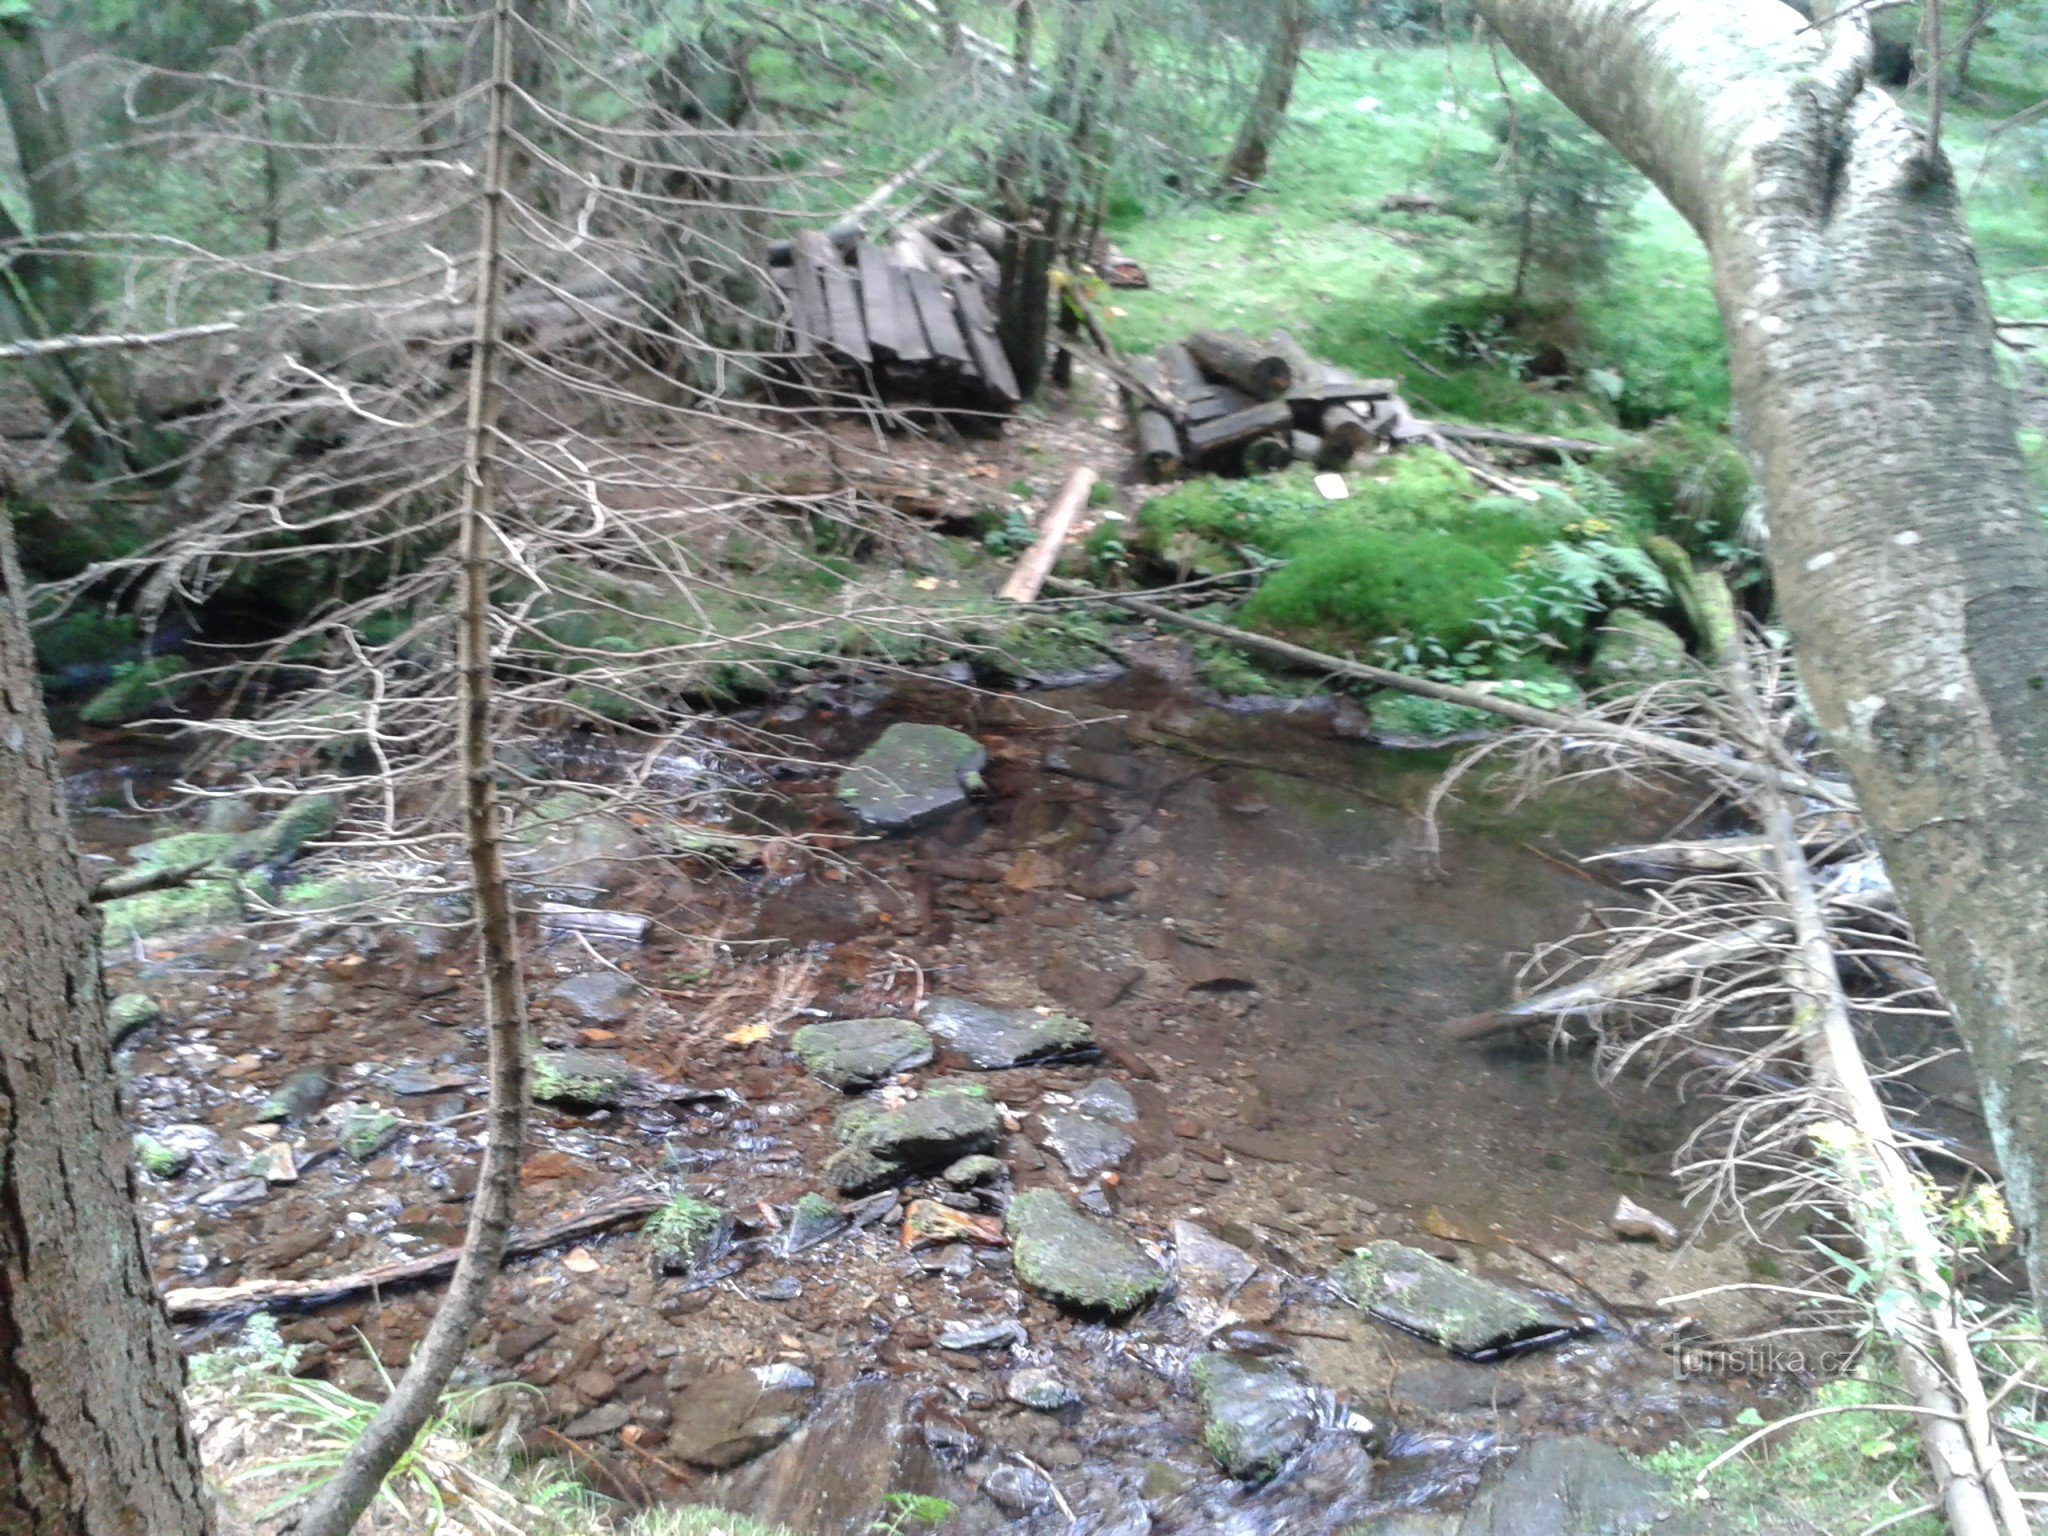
997,377
1221,400
935,314
807,328
845,330
886,305
1205,437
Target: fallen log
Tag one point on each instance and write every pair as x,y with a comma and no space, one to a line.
1931,1339
1158,445
1582,727
1520,442
1208,438
1319,451
1344,429
1178,373
140,882
1264,455
196,1302
1235,358
1025,582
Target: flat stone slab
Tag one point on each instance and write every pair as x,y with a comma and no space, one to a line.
1571,1486
726,1419
1075,1260
1257,1412
991,1039
852,1054
1462,1312
912,773
597,997
1083,1144
580,1079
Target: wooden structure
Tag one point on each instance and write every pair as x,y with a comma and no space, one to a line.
913,319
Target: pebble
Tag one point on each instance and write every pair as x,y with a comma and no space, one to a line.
787,1288
1006,1332
1017,1490
1040,1388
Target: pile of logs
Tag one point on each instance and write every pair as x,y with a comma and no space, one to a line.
1223,402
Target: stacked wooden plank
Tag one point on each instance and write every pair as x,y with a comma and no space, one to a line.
1224,402
914,318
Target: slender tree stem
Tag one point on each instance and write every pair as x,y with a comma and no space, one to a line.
335,1510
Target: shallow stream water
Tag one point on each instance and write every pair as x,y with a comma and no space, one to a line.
1242,905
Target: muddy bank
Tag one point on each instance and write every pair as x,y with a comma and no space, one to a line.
1240,910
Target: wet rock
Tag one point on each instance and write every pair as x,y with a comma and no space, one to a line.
785,1288
128,1013
568,848
1040,1388
411,1082
1452,1386
913,772
298,1098
1107,1099
598,997
1575,1486
1330,1483
861,1437
1083,1144
1095,1201
1077,1261
605,1419
1003,1333
1205,1268
991,1039
1017,1490
580,1079
953,1260
874,1209
234,1192
1257,1413
160,1161
812,1220
1462,1312
857,1171
1112,769
945,1123
730,1418
852,1054
976,1171
365,1130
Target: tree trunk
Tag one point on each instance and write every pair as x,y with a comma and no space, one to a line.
1245,166
1966,45
93,1440
336,1508
1906,547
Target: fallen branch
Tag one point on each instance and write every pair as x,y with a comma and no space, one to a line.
55,346
1025,582
205,1301
139,882
1930,1341
1522,442
1585,727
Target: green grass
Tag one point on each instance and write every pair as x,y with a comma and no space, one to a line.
1838,1473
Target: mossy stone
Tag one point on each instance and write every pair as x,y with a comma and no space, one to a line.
207,903
139,690
912,773
1465,1313
991,1039
579,1079
158,1160
365,1131
1076,1261
298,1098
1634,648
852,1054
129,1012
938,1127
1257,1413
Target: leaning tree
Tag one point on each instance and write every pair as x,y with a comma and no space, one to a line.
1906,540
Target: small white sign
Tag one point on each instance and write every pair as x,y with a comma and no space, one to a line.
1333,487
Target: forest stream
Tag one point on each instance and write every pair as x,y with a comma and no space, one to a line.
1242,906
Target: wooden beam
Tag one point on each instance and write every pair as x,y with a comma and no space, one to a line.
1025,582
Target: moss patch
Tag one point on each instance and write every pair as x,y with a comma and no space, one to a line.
683,1231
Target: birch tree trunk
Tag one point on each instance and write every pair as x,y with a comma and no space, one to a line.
1906,546
93,1440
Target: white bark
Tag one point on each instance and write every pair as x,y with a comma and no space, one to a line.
1907,551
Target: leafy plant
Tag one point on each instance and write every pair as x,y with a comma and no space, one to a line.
905,1513
1011,536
